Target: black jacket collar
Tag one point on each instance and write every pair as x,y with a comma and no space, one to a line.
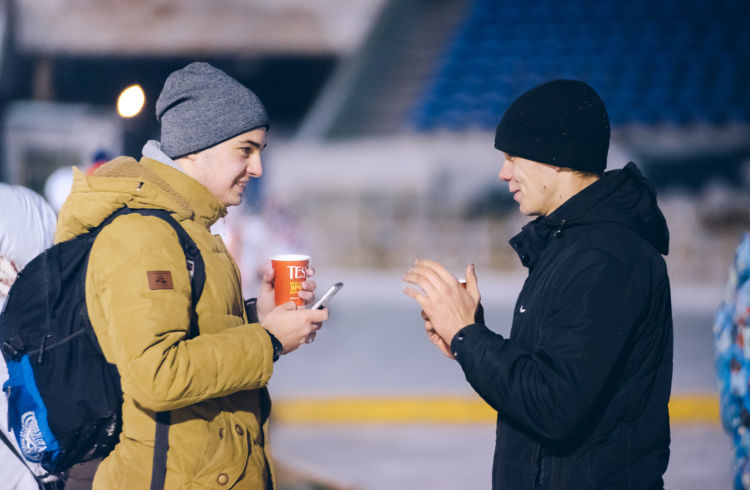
622,196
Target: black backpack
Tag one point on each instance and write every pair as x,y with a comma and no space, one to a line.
64,398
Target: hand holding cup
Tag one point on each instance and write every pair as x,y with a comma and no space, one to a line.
287,286
271,296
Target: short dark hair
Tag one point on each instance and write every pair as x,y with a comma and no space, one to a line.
588,173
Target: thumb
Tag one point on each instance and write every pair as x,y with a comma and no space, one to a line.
288,306
472,285
268,276
318,316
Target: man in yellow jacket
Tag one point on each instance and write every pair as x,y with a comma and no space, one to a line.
138,293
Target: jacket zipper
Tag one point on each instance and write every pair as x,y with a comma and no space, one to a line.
539,470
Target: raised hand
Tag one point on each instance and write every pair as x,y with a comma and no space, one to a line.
446,306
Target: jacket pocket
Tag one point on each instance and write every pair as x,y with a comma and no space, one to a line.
227,460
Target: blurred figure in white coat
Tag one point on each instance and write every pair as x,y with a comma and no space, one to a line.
27,226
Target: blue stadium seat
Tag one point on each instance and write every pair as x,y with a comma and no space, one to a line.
671,61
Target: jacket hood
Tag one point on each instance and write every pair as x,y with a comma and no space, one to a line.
621,196
126,182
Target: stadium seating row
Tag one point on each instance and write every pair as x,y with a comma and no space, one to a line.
672,61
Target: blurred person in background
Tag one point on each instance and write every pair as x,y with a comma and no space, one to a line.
99,158
731,326
138,293
57,185
27,227
582,384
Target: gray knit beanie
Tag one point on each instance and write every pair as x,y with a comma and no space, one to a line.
200,106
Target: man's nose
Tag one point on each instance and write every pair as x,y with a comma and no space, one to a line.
505,172
255,167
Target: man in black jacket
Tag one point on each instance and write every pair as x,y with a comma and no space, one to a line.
582,384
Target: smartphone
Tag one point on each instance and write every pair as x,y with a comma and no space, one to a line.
323,301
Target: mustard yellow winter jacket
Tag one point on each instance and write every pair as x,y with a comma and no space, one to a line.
213,384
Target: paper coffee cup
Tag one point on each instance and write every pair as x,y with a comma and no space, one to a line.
290,273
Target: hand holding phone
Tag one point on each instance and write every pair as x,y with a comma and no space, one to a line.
323,301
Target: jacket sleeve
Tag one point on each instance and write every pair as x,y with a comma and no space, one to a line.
142,326
552,388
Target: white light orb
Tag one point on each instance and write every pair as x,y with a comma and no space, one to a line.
131,101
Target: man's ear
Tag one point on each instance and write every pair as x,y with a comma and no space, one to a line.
188,159
187,162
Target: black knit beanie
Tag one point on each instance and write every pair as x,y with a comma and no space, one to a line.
562,123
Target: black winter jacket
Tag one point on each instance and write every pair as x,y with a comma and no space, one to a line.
582,385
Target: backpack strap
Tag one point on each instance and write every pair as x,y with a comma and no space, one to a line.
161,446
195,265
197,269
